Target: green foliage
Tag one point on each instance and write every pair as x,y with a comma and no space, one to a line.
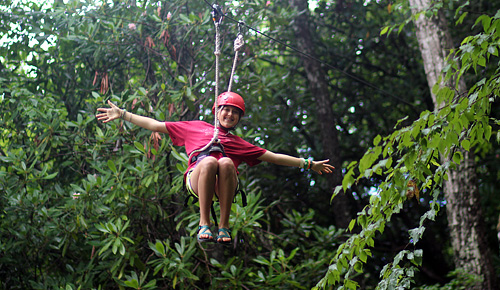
176,264
411,156
83,209
92,206
461,280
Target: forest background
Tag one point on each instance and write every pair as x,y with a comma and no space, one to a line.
90,206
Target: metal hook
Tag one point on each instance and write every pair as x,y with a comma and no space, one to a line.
217,14
241,26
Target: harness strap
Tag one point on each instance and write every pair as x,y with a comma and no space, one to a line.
212,209
205,152
243,197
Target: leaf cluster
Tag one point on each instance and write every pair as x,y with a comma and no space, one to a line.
411,156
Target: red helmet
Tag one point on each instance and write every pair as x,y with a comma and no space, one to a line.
230,99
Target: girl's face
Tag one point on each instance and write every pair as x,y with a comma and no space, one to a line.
229,116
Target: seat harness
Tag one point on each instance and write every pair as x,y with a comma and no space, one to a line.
214,148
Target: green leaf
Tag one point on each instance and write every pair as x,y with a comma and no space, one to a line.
128,240
457,157
384,30
352,224
486,21
160,247
106,246
493,50
418,254
185,18
140,147
112,166
116,244
466,144
461,19
179,156
348,180
487,132
122,249
151,284
363,256
369,158
481,61
101,228
338,188
358,267
51,176
349,284
132,283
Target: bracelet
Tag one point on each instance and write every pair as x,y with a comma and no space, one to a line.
123,113
306,163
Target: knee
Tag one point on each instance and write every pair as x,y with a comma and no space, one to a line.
226,165
209,164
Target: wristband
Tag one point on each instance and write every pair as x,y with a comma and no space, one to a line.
123,113
307,163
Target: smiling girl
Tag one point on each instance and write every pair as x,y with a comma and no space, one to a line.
213,171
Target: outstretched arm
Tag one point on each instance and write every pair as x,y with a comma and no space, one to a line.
113,112
287,160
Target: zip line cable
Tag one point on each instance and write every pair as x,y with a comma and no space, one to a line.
217,8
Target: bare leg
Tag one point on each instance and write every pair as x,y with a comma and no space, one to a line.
203,180
226,187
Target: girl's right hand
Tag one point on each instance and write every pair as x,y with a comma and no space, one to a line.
109,114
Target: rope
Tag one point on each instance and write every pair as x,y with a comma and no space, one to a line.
238,44
217,70
217,17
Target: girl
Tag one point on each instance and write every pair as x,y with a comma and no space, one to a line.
214,170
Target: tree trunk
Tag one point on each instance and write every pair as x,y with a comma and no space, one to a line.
318,85
465,218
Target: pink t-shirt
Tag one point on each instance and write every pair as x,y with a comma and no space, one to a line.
195,135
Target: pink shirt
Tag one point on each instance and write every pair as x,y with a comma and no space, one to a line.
195,135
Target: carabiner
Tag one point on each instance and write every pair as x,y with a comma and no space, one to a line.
217,14
241,26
